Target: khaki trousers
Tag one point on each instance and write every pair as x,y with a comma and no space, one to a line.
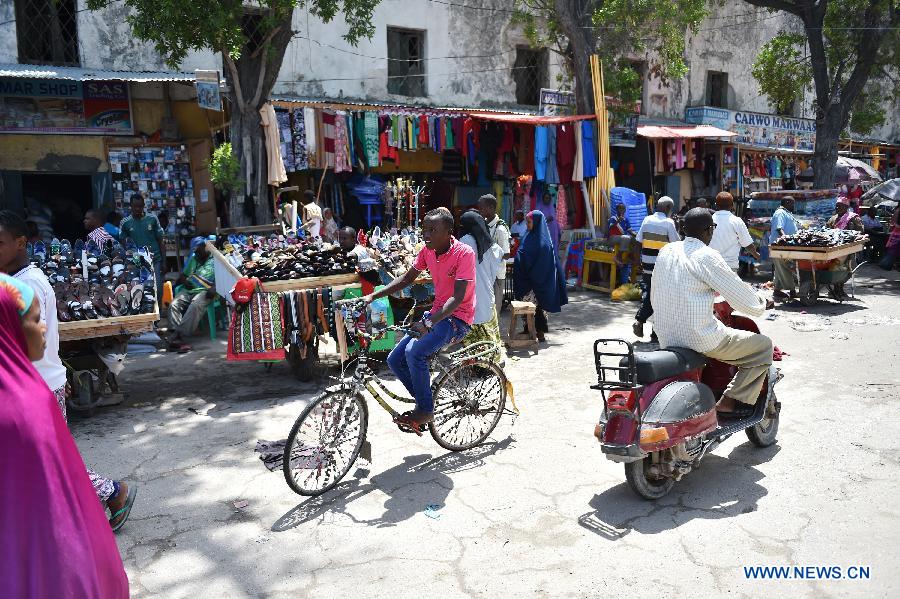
785,275
752,354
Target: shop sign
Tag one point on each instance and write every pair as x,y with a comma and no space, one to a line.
207,85
765,131
556,103
59,106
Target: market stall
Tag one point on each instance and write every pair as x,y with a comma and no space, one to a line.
820,258
104,296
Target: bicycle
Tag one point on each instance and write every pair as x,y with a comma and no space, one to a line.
326,439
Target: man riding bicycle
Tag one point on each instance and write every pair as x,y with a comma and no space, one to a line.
452,268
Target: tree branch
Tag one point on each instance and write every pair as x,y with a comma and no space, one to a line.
259,85
794,8
264,45
235,80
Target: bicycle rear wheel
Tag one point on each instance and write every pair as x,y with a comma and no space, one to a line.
468,403
325,441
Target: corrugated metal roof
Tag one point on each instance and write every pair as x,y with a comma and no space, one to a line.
32,71
353,102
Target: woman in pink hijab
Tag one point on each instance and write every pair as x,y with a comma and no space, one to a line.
54,537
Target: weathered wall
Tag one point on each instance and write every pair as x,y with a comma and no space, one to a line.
729,41
8,48
53,153
469,54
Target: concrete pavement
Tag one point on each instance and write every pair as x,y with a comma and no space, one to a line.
535,512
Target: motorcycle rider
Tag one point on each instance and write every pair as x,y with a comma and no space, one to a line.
686,277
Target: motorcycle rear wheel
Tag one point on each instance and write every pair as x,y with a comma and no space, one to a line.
636,473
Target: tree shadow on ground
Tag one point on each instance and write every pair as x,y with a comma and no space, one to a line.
720,488
411,486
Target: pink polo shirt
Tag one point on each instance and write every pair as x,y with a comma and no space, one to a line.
456,264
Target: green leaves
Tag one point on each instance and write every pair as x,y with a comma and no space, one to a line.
176,27
225,168
783,70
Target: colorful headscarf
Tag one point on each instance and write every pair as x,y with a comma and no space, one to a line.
197,242
21,293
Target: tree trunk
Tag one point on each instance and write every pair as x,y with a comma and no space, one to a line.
248,142
252,77
828,132
574,18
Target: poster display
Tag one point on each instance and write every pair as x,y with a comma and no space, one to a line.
207,86
757,130
161,175
59,106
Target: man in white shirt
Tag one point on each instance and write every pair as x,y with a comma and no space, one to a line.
686,278
487,206
656,231
730,235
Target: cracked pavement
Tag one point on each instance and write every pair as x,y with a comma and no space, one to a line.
537,511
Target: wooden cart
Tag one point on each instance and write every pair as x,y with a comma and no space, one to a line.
304,368
810,278
87,374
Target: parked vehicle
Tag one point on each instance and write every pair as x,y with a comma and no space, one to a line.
659,408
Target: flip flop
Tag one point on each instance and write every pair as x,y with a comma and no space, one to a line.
736,414
408,423
125,511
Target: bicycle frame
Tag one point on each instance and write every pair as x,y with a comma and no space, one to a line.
364,379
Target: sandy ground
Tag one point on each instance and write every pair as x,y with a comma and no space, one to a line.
535,512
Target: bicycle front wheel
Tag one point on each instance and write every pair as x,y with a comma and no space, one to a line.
325,441
468,402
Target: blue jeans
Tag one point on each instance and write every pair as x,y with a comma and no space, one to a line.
409,359
646,309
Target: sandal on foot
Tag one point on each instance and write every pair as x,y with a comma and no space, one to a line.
413,421
122,514
738,413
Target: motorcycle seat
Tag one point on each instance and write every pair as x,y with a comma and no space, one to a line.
656,365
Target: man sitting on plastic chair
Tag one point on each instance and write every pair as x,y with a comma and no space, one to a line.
452,267
198,282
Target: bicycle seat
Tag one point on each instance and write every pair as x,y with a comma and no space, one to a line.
652,366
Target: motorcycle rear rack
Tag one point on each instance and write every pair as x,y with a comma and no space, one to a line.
611,376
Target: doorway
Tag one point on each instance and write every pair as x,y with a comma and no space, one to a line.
57,203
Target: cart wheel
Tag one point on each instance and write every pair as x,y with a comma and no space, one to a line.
809,293
84,396
305,369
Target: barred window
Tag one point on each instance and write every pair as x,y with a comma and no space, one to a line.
406,69
47,32
717,89
529,74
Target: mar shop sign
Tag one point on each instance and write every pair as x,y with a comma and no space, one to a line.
766,131
58,106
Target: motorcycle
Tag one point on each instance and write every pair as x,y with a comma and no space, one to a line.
659,408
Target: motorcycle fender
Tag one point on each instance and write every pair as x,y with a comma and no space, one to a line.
685,409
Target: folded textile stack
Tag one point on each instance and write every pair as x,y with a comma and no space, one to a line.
91,282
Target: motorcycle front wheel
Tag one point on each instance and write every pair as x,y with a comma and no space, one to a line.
641,482
763,433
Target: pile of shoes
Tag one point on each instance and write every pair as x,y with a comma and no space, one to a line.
92,282
820,238
277,258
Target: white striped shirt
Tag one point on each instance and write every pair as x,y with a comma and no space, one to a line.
685,281
656,231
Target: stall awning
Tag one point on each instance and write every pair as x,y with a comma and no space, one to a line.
530,119
31,71
657,132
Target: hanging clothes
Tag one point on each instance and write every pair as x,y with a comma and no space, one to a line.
578,168
562,208
589,157
341,144
298,130
312,147
371,138
552,170
526,149
565,152
328,132
269,122
541,146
